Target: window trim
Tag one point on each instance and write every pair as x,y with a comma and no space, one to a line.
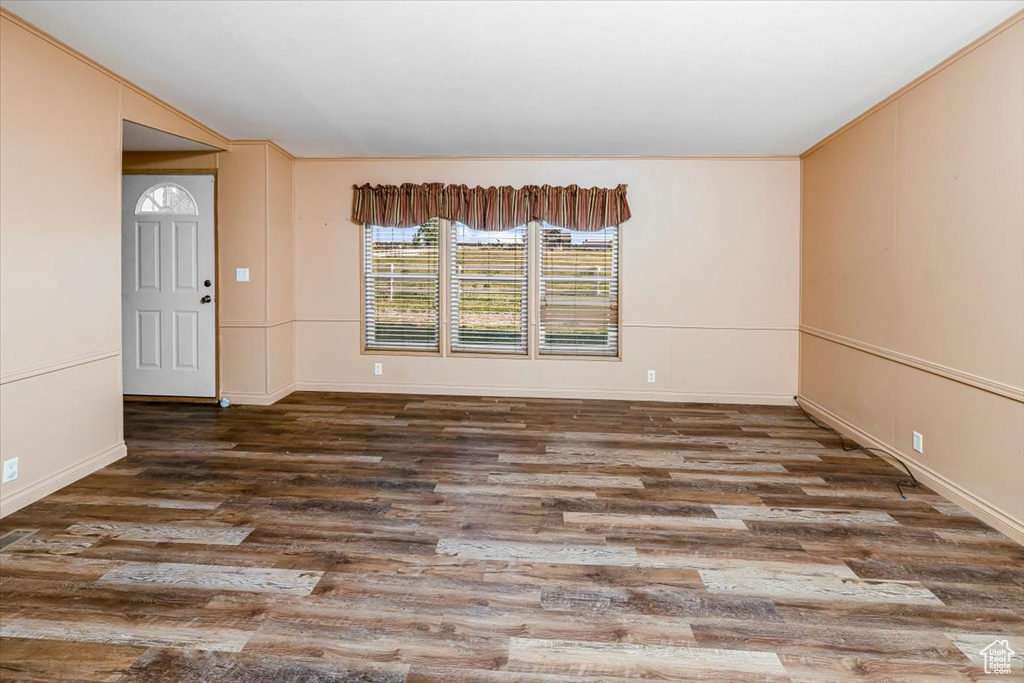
533,231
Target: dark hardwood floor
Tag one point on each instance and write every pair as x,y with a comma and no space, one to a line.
371,538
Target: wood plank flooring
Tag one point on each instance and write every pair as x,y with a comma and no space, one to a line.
420,539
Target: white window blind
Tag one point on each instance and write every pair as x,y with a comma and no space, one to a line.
579,292
489,290
401,286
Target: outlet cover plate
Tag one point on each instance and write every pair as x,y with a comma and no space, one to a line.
918,442
10,470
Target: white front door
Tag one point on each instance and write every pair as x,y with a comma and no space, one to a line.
168,318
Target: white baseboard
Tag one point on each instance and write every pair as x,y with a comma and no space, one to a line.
248,399
984,510
545,392
60,479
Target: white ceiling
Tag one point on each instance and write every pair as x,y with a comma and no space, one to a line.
520,78
139,138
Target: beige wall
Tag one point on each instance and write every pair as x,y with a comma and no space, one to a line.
255,232
709,282
60,236
912,308
280,332
60,279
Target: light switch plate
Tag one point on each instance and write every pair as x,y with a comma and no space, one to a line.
241,274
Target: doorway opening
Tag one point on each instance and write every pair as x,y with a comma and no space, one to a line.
168,273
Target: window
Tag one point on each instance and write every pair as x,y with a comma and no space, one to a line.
488,290
401,287
579,292
488,278
167,198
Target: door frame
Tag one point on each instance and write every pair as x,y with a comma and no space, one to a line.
216,282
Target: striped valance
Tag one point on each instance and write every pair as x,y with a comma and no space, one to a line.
490,208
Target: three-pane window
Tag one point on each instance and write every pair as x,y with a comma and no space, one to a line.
491,278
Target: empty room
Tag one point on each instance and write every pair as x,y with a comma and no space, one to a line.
512,342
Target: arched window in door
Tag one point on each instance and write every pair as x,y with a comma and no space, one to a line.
167,198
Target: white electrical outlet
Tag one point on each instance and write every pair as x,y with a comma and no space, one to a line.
241,274
378,369
652,376
918,442
10,470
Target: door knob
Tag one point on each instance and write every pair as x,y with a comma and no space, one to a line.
206,299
